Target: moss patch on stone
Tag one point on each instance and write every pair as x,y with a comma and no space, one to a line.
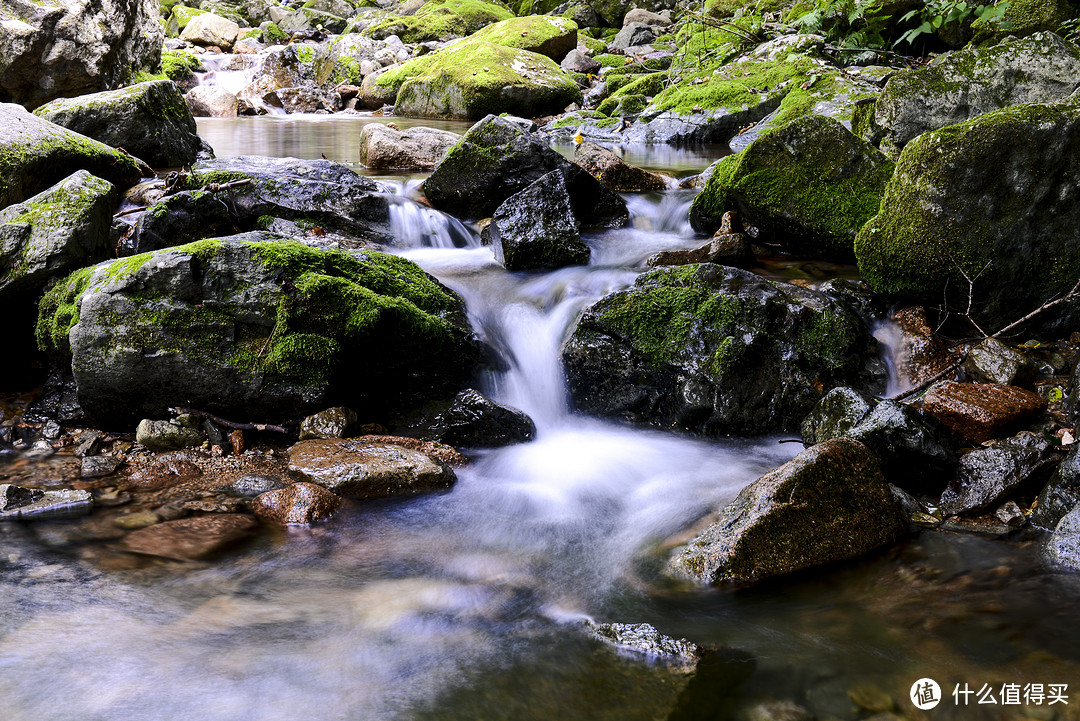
441,19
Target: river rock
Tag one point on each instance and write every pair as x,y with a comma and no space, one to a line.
189,539
828,504
53,233
991,361
633,35
1062,549
299,503
253,485
64,48
361,468
472,79
211,29
974,197
918,354
497,158
809,185
38,154
536,229
643,638
254,327
609,169
835,414
469,420
1061,493
913,449
723,248
961,85
211,101
303,100
702,348
578,62
100,466
986,476
547,35
149,120
383,147
981,411
438,20
331,423
163,436
25,504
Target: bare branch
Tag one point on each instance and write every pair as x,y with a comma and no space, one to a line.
1045,306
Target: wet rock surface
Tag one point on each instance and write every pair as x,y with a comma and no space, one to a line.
30,504
189,539
469,420
643,638
298,503
1061,493
914,450
980,411
986,476
835,414
536,228
361,468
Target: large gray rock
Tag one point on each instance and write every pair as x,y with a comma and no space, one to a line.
828,504
1061,493
53,233
988,475
63,48
383,147
498,158
961,85
37,154
536,228
149,120
211,29
359,468
211,101
835,414
633,35
1062,549
250,327
971,199
712,350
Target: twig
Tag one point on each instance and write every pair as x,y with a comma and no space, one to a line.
929,381
129,211
1045,306
229,424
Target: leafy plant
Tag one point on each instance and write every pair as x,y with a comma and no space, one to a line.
937,14
847,23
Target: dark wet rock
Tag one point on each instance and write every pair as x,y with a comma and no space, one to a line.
536,229
855,294
211,101
701,348
331,423
149,120
978,412
578,62
90,443
32,504
318,192
970,199
609,169
257,328
634,35
383,147
961,85
360,468
1010,514
298,503
809,185
496,158
38,154
59,400
53,233
732,249
469,420
250,486
991,361
164,436
100,466
778,711
193,538
643,638
987,476
835,414
1062,549
64,49
913,449
908,503
1061,493
828,504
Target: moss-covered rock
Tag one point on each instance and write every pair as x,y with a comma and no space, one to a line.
961,85
972,199
830,503
180,66
809,185
35,154
441,20
149,120
712,350
179,18
550,36
1022,18
472,79
249,326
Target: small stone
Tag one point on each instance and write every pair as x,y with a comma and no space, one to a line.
994,362
90,444
251,486
17,503
160,436
360,468
1010,514
236,440
300,503
100,466
134,521
331,423
190,538
643,638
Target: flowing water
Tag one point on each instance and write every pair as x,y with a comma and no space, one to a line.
468,604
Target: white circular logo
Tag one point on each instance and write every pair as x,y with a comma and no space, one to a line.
925,694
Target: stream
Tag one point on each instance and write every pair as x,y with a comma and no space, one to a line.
469,604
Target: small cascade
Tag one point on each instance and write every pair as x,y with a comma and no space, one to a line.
417,226
893,351
236,74
669,215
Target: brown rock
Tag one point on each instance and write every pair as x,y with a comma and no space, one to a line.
724,248
922,355
447,454
164,473
369,468
236,440
190,538
609,169
299,503
980,411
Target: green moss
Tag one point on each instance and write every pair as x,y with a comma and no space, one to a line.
612,61
58,312
534,33
1024,17
124,267
275,35
197,180
597,46
440,19
178,64
305,53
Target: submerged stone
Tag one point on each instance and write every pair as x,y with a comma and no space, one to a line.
298,503
362,468
32,504
469,420
189,539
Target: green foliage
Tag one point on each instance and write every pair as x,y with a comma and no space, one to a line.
847,23
938,14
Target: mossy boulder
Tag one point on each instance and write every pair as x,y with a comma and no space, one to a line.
972,199
713,350
250,326
35,154
961,85
149,120
830,503
550,36
179,18
809,186
180,66
1022,18
441,20
472,79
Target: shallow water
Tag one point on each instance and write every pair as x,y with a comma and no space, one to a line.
466,605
